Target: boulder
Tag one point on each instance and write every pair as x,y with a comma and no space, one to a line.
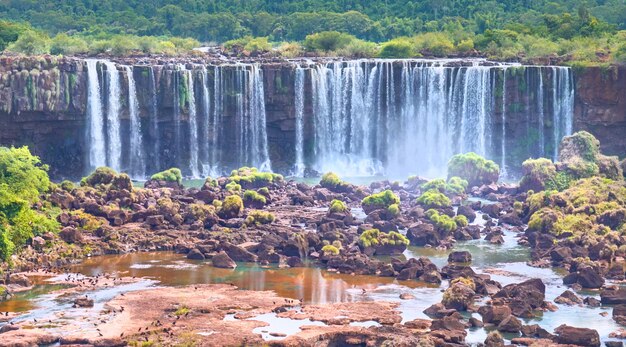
510,324
20,280
588,277
71,235
613,296
494,340
83,301
466,211
577,336
423,234
222,260
494,314
238,254
568,298
523,297
460,257
459,296
195,254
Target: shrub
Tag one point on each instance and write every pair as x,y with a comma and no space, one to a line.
250,44
252,196
259,217
473,168
465,46
456,185
290,49
68,186
437,44
433,199
233,187
397,48
231,207
370,238
327,41
251,178
374,238
337,206
31,42
437,184
101,176
23,173
442,221
68,45
169,175
359,49
380,200
329,250
461,220
393,210
394,238
201,212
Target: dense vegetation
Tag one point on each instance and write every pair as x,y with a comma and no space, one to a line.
586,31
22,180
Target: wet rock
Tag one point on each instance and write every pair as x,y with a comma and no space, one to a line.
619,314
294,262
523,297
476,323
494,339
38,243
407,296
588,277
560,254
493,210
420,324
511,218
460,257
613,296
438,311
71,235
535,331
431,277
613,343
458,297
8,327
494,314
423,234
592,302
155,221
510,324
20,280
577,336
83,301
195,254
238,254
447,323
466,211
222,260
568,298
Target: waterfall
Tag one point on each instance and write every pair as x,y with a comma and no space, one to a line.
362,117
154,120
113,116
193,126
398,118
299,103
503,172
136,155
97,151
206,107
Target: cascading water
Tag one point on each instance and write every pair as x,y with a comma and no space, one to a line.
114,106
299,103
363,117
97,147
409,117
136,155
194,167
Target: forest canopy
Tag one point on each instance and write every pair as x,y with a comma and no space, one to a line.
583,30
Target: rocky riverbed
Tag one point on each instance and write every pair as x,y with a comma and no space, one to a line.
254,258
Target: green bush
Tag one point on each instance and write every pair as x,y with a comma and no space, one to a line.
370,238
433,199
359,49
68,45
101,176
68,186
393,210
233,187
251,178
442,221
169,175
437,184
253,196
259,217
337,206
374,237
329,250
437,44
31,42
397,48
231,207
473,168
461,220
456,185
383,199
327,41
250,44
23,173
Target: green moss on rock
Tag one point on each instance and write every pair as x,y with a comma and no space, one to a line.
169,175
380,200
433,199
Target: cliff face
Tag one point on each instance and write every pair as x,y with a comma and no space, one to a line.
600,106
44,104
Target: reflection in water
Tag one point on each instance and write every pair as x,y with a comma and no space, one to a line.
312,284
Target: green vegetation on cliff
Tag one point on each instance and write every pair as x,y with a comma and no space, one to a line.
574,30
